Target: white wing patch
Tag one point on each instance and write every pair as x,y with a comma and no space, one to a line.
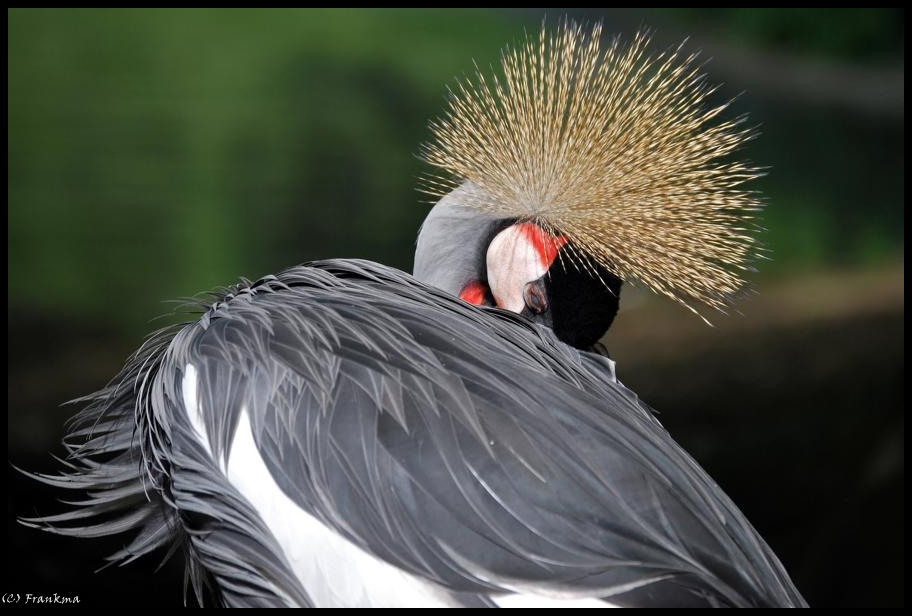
333,571
539,601
190,394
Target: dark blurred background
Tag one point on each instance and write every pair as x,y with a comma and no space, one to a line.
155,154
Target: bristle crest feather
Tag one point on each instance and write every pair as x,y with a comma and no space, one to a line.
615,149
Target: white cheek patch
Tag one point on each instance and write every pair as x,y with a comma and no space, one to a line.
512,262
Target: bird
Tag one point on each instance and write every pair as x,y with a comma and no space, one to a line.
345,434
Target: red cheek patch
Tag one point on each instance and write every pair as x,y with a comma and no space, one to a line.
545,244
474,293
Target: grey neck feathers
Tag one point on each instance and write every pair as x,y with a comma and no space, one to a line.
452,242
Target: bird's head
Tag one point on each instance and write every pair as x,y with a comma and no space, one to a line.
579,166
518,265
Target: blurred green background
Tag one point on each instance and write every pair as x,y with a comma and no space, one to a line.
155,154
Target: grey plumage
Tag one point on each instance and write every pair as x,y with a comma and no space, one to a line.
462,444
453,240
145,474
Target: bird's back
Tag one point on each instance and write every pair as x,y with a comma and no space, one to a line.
343,433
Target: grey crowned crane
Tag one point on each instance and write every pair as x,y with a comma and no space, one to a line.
345,434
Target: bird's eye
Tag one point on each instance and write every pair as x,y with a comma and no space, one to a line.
534,297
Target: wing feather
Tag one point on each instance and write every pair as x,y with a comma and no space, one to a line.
464,446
